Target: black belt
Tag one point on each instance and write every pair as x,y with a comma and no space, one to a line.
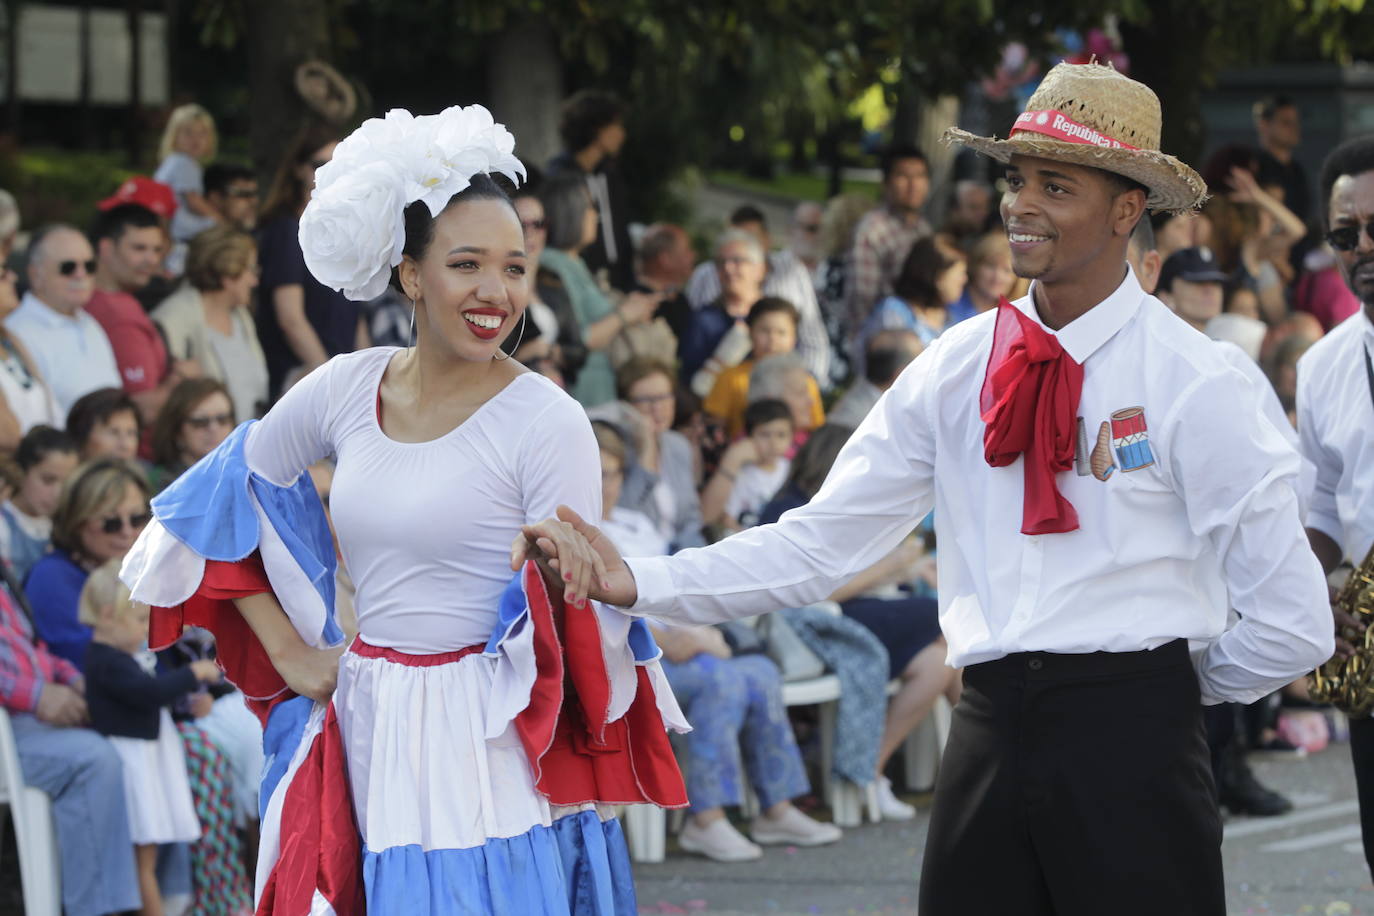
1063,665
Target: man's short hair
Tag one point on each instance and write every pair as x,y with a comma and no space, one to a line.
113,223
659,239
897,152
740,237
583,115
748,213
1143,236
1267,107
39,241
220,175
766,411
1353,157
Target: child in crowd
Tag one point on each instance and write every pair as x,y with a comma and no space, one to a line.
46,457
188,142
752,469
772,326
128,704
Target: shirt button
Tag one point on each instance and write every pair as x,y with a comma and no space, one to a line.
1035,664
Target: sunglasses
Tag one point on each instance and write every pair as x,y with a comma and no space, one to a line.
115,523
219,419
1347,238
67,268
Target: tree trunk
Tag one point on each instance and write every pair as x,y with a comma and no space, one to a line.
280,36
13,12
525,78
1170,55
83,63
133,120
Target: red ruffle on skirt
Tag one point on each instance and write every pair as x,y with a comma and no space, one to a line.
577,756
240,654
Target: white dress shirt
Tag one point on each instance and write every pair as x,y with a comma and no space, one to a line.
1161,552
72,353
1336,426
787,278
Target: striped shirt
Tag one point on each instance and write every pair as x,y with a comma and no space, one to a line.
25,663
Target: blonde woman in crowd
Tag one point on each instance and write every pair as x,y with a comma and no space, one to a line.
210,318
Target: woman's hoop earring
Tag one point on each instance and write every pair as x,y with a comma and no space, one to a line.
518,340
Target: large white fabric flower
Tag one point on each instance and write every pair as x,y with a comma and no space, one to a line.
354,227
352,232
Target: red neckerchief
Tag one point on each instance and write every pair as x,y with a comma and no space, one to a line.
1029,402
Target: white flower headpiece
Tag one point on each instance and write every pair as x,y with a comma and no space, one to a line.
353,229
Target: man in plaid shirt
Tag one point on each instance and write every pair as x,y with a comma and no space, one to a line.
885,235
76,767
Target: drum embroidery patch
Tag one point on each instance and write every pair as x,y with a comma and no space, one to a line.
1131,439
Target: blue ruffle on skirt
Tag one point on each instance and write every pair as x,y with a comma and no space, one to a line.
580,866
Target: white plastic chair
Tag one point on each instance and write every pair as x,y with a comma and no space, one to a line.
31,811
926,745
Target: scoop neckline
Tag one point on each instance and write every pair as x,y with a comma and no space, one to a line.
375,421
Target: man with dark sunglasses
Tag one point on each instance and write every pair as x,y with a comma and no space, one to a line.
1336,416
68,346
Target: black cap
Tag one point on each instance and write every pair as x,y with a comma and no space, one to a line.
1196,265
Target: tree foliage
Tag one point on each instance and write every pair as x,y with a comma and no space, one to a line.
697,73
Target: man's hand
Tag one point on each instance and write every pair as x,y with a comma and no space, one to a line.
1349,631
578,555
61,706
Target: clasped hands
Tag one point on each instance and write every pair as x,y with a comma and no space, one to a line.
575,556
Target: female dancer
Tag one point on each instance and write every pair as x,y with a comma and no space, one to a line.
478,752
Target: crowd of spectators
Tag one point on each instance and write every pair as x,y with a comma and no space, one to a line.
720,390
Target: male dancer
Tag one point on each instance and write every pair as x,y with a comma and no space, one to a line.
1100,490
1336,414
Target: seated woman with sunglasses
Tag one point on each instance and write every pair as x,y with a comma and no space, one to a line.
103,507
197,417
69,349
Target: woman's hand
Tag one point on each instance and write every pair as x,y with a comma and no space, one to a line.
579,556
310,672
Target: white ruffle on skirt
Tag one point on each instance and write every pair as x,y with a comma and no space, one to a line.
157,790
447,814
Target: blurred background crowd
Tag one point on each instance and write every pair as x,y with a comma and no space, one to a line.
726,285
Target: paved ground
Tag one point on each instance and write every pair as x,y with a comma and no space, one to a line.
1307,863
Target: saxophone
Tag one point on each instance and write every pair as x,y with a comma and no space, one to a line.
1348,683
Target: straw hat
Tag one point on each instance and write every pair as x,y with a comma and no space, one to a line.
1089,114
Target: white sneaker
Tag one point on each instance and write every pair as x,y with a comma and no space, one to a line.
793,828
890,806
719,840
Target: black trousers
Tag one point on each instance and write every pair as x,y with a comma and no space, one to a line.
1362,753
1076,785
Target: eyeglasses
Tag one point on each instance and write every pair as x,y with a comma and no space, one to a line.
67,268
1347,238
115,523
219,419
533,225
